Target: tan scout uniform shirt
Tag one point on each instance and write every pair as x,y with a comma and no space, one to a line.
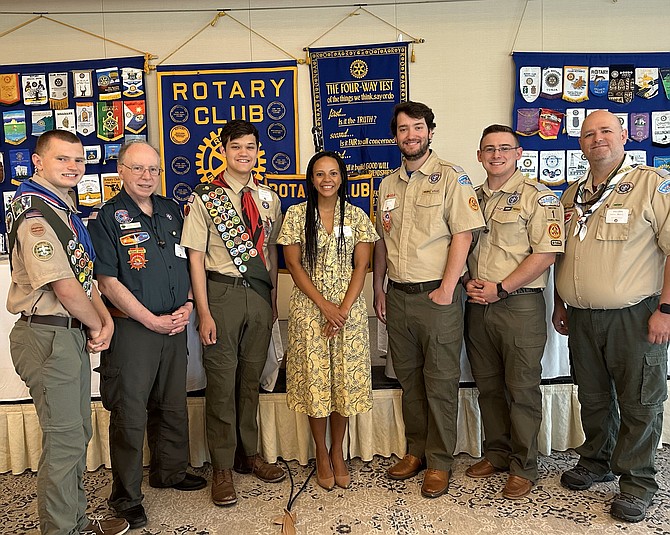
417,217
200,233
523,217
38,259
621,260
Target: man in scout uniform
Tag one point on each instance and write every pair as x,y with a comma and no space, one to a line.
62,319
505,317
615,280
142,271
230,229
427,212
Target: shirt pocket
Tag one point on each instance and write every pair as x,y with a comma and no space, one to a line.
429,209
505,228
613,231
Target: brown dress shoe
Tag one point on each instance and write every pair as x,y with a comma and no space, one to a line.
435,483
407,467
483,468
223,490
270,473
517,487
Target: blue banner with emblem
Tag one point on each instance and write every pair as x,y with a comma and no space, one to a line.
195,101
354,90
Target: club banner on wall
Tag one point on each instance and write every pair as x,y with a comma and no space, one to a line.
354,90
627,84
196,101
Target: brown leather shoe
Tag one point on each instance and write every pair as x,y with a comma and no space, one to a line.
407,467
223,490
435,483
483,468
517,487
270,473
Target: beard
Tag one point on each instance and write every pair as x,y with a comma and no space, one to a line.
417,153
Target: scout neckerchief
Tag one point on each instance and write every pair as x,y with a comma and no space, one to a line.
580,204
244,247
74,236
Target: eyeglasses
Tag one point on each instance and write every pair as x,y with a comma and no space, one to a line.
138,170
503,150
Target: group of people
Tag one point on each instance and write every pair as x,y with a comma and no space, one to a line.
436,238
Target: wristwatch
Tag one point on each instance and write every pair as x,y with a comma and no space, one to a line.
502,293
665,308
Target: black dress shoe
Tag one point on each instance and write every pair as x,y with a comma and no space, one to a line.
190,482
135,516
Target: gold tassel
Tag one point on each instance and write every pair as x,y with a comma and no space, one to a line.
412,58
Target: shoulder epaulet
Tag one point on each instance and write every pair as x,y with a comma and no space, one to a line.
539,186
663,173
264,186
455,167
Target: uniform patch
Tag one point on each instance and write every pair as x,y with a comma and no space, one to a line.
137,259
513,198
464,180
567,217
187,209
554,231
624,187
43,250
664,187
386,221
548,200
434,178
556,243
37,229
122,216
474,205
134,238
266,205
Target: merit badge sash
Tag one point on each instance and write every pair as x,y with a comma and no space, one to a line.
88,190
527,121
646,81
552,167
42,121
83,83
111,185
638,156
550,123
576,165
110,120
236,238
34,89
575,84
65,120
14,126
622,86
20,165
574,117
660,127
112,151
599,81
92,153
109,84
58,88
552,82
528,163
665,79
639,126
134,112
10,93
132,82
85,118
529,82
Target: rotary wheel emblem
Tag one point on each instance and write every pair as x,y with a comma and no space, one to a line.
358,68
209,162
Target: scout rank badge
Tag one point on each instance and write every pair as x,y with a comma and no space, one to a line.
529,82
10,93
622,87
137,259
575,84
599,81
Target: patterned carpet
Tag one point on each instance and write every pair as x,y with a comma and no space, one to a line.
373,505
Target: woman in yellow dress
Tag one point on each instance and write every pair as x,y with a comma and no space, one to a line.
327,243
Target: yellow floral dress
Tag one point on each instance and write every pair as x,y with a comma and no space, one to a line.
322,375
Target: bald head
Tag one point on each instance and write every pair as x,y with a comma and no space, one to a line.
602,141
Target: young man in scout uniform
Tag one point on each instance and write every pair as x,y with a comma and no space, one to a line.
505,316
142,271
62,319
427,212
230,229
615,280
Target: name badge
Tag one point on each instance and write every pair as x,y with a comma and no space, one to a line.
617,215
128,226
389,204
264,195
179,251
346,229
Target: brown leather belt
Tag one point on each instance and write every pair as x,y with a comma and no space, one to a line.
415,287
55,321
116,313
227,279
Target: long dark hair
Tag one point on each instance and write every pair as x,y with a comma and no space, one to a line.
312,218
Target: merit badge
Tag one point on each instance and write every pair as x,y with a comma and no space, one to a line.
464,180
624,187
122,216
386,221
137,259
474,205
434,178
43,250
513,199
554,231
